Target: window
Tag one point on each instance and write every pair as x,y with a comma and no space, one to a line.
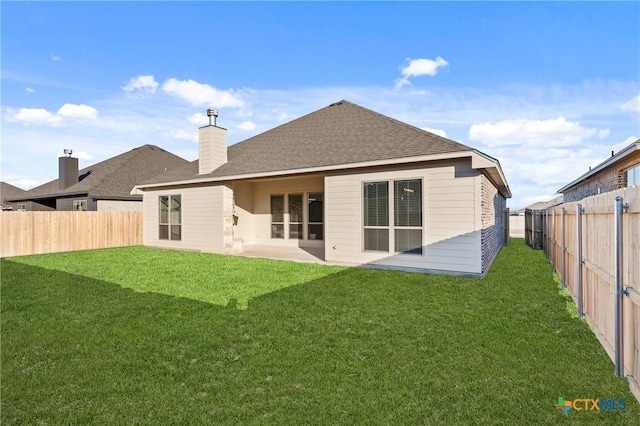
277,216
376,216
80,205
290,219
316,216
633,176
405,203
295,216
169,219
21,207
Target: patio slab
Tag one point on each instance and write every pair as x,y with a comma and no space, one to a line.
295,254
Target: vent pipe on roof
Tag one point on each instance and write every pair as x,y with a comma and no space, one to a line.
212,113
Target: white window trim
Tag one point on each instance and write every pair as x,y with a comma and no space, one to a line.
392,227
305,216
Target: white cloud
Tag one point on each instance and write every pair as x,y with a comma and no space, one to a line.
191,136
142,83
34,116
41,116
438,132
56,58
246,126
199,94
29,90
418,67
198,119
25,184
78,111
632,105
556,132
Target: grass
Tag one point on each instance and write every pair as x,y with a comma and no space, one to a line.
146,336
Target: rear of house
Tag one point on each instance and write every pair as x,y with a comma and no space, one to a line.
346,183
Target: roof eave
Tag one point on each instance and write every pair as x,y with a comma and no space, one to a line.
628,150
482,161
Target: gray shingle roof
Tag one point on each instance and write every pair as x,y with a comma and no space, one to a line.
116,176
341,133
8,191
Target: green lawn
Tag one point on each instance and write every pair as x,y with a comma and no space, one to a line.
145,336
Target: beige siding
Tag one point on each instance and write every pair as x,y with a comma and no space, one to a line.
202,219
451,219
119,206
255,228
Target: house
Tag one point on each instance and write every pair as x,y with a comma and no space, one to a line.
345,183
104,186
618,171
8,191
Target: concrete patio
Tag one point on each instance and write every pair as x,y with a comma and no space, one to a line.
295,254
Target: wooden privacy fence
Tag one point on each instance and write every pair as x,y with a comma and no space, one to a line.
594,246
23,233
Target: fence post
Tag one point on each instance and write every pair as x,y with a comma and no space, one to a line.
579,212
620,292
563,248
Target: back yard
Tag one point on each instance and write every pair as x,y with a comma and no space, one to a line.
145,336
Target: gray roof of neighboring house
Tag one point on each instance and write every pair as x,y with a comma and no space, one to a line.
8,191
115,177
342,133
542,205
624,152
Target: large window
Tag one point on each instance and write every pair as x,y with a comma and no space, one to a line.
291,220
404,234
170,217
277,216
633,176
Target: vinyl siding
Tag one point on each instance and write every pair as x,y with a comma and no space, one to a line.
119,206
202,219
451,228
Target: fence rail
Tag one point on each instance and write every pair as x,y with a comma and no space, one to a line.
24,233
594,246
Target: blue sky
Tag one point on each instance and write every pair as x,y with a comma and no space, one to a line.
548,88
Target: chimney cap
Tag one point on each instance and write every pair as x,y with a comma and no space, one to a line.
212,112
68,152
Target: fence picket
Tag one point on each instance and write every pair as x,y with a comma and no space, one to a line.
24,233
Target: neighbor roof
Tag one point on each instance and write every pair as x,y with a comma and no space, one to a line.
115,177
8,191
623,153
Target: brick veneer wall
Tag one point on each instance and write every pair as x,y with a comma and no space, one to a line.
609,179
493,204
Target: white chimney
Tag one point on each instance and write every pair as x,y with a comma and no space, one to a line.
212,141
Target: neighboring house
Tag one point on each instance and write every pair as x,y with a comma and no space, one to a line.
353,185
8,191
517,220
104,186
618,171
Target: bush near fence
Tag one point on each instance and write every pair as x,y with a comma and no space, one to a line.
580,240
24,233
